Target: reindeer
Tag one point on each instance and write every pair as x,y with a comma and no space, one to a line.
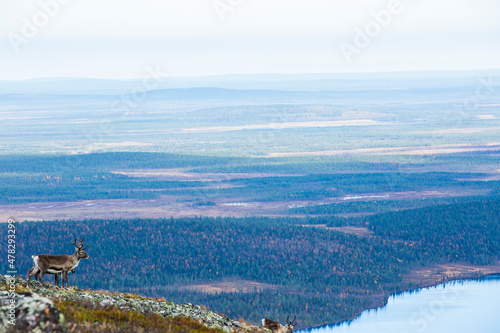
277,327
62,263
35,271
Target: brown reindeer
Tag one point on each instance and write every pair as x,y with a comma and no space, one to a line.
63,263
277,327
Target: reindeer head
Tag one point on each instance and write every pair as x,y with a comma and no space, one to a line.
80,253
290,324
277,327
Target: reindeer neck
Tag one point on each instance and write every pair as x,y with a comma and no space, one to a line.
74,257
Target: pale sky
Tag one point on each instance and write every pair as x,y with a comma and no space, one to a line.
120,38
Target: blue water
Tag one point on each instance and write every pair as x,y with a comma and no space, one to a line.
457,307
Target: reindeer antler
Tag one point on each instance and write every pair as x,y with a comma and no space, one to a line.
80,244
294,317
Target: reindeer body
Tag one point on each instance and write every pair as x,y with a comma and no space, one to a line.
35,271
277,327
61,263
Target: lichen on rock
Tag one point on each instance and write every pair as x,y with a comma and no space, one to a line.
37,311
28,312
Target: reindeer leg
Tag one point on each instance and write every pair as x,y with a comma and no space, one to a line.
41,278
34,271
64,278
72,271
56,279
29,277
67,280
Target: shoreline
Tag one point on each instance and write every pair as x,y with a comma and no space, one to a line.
395,293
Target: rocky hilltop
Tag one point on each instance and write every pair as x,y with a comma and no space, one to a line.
55,309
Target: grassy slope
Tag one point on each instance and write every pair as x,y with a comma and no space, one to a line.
103,312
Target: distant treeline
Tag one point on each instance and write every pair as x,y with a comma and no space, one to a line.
61,164
27,179
318,274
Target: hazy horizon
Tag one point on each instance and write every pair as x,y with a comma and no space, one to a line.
343,74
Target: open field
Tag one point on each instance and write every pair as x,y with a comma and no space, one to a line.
227,285
182,174
287,125
432,275
359,231
236,286
174,206
422,150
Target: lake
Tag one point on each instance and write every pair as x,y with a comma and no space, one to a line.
458,307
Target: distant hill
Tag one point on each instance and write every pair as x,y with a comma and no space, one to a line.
290,82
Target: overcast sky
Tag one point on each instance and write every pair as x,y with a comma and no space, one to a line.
120,38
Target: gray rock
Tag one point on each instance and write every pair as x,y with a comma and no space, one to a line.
107,302
29,313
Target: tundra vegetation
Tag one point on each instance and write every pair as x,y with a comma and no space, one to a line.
74,310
